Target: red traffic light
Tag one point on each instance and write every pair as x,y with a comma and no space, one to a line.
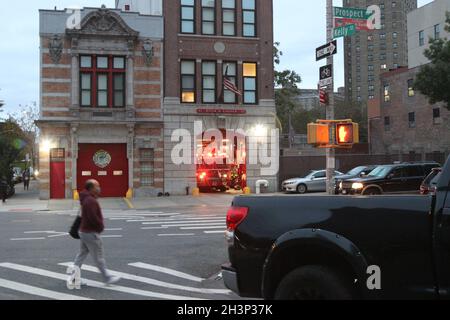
323,97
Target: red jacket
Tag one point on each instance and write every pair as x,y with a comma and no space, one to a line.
91,214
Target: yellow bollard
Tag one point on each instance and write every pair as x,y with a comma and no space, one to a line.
196,192
247,191
76,195
129,194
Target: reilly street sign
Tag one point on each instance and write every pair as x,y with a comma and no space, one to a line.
326,51
344,31
326,76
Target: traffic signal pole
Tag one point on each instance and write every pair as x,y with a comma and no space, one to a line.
330,152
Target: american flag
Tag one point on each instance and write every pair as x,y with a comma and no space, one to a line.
229,85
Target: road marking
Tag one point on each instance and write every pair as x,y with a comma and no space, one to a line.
172,272
182,219
151,281
14,221
129,204
113,236
203,228
154,228
114,229
26,239
178,222
177,235
36,232
58,235
95,284
217,224
213,232
16,286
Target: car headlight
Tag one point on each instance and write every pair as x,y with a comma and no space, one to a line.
357,186
288,183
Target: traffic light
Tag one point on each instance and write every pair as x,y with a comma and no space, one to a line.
318,134
347,134
323,97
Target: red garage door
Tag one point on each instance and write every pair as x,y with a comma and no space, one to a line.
106,163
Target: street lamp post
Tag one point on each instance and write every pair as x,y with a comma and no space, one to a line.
330,152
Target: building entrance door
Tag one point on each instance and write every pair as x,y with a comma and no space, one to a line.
57,174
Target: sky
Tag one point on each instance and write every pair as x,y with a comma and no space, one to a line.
298,25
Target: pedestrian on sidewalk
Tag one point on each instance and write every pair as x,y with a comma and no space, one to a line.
26,176
92,225
3,191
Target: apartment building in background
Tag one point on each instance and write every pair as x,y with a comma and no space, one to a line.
408,123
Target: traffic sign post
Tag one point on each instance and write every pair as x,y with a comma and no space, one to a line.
330,153
326,51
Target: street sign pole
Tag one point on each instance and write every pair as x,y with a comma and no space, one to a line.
330,152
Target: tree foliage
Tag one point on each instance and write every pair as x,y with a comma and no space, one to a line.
12,147
433,79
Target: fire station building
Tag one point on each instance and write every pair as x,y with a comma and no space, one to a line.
101,102
209,42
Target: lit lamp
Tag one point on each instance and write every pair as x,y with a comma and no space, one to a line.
46,145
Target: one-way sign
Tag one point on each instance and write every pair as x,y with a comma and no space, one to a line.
326,76
326,51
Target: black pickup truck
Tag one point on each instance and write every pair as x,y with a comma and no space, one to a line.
361,247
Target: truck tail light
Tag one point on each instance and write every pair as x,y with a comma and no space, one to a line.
235,216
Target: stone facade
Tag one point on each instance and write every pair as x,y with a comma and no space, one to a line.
220,49
65,124
394,133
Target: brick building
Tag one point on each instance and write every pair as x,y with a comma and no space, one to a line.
206,41
101,102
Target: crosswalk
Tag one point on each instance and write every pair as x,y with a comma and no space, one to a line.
175,224
139,281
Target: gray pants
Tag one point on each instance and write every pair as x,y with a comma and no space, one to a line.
92,243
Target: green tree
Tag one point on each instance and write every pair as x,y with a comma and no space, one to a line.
286,90
433,79
12,146
357,111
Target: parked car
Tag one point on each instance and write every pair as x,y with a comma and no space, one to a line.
315,181
358,172
306,248
428,186
395,178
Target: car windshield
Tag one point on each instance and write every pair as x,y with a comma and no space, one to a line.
380,172
356,171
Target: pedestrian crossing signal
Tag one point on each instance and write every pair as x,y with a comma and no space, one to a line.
318,134
347,134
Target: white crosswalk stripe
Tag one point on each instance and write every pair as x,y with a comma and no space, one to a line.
172,272
26,288
35,291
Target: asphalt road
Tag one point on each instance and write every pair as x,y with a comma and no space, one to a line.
160,254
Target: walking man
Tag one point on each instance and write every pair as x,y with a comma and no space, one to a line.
26,176
91,227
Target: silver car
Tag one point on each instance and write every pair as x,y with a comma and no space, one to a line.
315,181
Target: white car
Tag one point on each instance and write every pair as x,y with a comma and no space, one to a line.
316,181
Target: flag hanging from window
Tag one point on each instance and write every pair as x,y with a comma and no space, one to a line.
229,85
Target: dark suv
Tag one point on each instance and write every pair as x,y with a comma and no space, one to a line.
395,178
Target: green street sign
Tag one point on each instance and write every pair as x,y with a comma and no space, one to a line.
351,13
345,31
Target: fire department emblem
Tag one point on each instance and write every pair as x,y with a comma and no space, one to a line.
102,159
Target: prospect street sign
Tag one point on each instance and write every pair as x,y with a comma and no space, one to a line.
326,51
326,75
345,31
351,13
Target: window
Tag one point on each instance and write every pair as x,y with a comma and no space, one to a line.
188,82
147,157
370,67
250,92
209,82
394,35
387,123
395,45
209,17
102,81
230,72
249,18
386,93
383,66
411,92
187,16
412,119
229,17
421,38
437,116
414,171
437,31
